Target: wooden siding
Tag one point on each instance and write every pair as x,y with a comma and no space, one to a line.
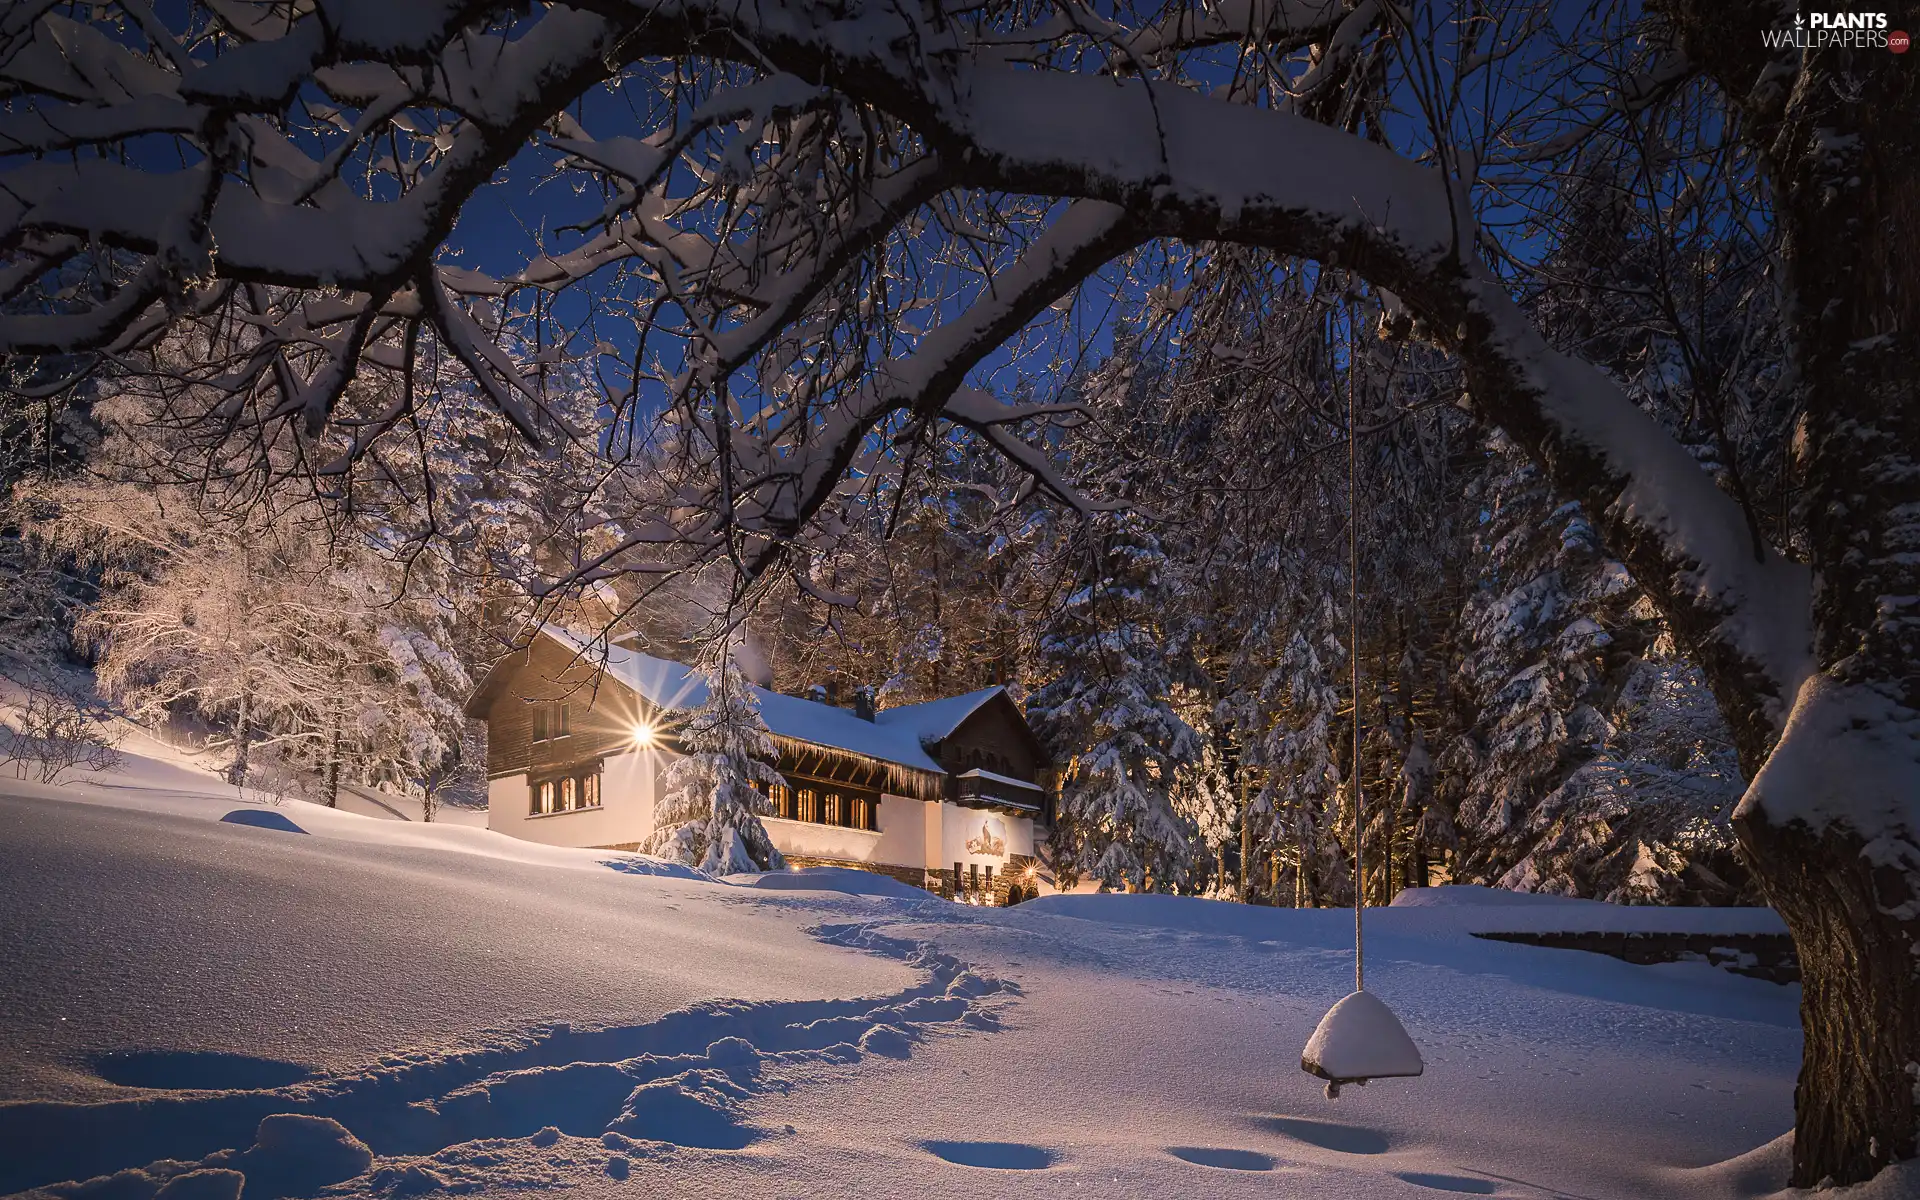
995,738
600,713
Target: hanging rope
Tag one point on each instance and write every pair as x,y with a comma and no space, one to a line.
1353,651
1359,1039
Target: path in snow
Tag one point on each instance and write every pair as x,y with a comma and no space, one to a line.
633,1088
125,929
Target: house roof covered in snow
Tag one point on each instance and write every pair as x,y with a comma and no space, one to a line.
900,736
932,721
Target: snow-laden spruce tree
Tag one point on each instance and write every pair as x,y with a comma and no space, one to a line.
715,792
1589,768
1108,714
1644,817
1115,659
1534,630
1203,794
1288,738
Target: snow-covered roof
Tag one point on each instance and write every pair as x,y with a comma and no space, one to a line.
674,686
935,719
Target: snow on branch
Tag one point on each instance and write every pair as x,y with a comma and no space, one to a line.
794,196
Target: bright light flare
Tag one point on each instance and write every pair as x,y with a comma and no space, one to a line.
645,736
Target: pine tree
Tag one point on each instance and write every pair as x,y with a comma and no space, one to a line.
1645,819
1203,794
1595,764
1289,745
1108,711
1531,669
715,792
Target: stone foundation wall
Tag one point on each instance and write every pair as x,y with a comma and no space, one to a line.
911,876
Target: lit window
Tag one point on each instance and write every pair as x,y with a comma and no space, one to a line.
566,793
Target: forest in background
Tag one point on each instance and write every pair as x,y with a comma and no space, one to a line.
1186,649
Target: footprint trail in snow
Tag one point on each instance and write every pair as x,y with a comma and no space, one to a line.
416,1123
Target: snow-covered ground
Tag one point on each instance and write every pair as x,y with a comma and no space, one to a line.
490,1015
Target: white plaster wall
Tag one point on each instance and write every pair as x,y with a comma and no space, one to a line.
903,832
901,840
822,841
629,786
957,824
506,797
932,837
912,833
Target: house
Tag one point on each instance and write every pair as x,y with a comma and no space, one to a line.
946,795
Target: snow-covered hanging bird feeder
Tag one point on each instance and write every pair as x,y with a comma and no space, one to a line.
1360,1039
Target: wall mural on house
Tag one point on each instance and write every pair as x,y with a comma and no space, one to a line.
992,838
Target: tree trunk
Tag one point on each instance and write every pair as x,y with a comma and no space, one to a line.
1847,880
1303,880
1859,1003
330,774
242,741
1246,849
1831,822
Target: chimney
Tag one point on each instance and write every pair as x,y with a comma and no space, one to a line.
863,702
817,693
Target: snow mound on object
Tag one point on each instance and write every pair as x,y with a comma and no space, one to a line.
848,880
1461,910
1478,909
1361,1039
1449,895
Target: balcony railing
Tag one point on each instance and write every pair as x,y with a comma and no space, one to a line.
986,788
